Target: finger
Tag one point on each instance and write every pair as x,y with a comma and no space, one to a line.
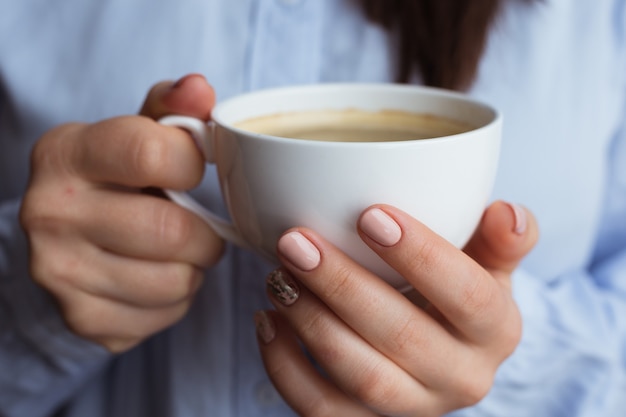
142,284
70,270
506,233
116,326
293,375
377,312
352,363
144,227
464,292
63,263
191,96
135,151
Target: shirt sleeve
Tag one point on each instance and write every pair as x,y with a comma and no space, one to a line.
41,362
571,361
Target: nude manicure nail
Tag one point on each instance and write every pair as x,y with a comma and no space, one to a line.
184,79
282,286
521,222
380,227
264,326
299,250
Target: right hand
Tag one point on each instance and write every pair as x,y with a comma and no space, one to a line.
123,264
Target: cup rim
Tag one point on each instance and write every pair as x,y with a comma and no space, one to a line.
494,120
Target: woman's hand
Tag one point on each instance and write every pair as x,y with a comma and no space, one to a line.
380,353
121,262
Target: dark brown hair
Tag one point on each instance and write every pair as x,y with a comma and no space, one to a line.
443,40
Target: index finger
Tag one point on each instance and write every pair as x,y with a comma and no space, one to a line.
136,151
472,300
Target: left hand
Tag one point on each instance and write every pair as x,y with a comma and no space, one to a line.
382,354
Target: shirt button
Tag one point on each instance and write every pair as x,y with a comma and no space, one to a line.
266,395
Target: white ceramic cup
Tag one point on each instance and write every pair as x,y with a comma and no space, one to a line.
270,184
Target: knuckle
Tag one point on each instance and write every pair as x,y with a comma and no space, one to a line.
376,389
46,270
315,326
477,299
341,285
426,254
43,152
187,280
277,370
215,251
148,155
52,152
471,388
31,214
403,338
510,333
174,226
181,283
81,319
42,211
52,267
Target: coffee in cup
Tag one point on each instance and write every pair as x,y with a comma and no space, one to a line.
354,125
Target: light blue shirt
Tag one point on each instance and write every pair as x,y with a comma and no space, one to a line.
557,70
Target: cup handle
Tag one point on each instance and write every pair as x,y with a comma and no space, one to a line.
202,134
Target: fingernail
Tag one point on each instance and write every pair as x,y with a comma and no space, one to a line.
184,79
265,327
299,250
379,226
521,222
283,287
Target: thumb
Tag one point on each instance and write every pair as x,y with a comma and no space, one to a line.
506,234
190,96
